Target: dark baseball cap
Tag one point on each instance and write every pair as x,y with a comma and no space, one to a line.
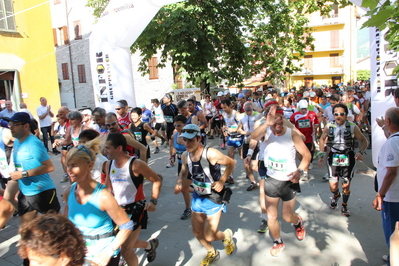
20,117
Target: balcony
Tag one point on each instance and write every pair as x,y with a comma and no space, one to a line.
320,71
320,21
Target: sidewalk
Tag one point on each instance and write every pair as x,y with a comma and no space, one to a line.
332,239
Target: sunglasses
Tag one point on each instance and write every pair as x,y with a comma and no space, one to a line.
111,124
85,149
178,125
117,109
190,131
15,124
339,114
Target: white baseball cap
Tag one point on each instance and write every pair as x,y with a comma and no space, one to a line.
220,93
303,104
226,92
86,112
312,94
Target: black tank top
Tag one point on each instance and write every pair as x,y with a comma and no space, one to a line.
140,133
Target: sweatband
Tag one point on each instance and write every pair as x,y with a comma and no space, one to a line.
127,226
250,152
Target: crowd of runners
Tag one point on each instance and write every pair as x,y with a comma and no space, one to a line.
104,156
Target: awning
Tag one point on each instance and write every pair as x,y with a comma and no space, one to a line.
257,83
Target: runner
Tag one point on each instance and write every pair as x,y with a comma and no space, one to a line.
281,145
209,196
245,128
339,136
125,179
94,210
177,151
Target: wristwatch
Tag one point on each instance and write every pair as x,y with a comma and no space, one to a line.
300,171
24,174
154,201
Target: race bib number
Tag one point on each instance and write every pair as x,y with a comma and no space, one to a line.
179,154
138,136
304,123
340,160
19,167
169,119
233,127
202,188
278,165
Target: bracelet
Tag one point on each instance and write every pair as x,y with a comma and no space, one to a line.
362,152
378,195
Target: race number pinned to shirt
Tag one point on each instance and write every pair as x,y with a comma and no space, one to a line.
202,188
138,136
305,123
340,160
278,165
168,119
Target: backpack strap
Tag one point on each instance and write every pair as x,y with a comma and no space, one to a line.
136,181
205,164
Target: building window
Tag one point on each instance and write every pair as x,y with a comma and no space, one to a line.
62,35
65,71
7,21
77,29
56,2
334,35
153,67
308,62
82,73
334,60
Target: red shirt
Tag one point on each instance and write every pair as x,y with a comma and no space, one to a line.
305,123
125,121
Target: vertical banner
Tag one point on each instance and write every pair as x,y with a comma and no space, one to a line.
117,29
382,84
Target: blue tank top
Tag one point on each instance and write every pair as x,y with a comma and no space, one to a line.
88,217
180,148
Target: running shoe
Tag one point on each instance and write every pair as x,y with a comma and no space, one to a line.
228,242
384,258
263,226
65,178
223,146
345,211
334,201
210,137
163,141
156,150
300,231
326,177
253,186
230,180
310,166
210,257
152,253
169,165
277,248
186,214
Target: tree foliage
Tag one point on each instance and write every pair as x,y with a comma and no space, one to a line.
229,40
383,15
363,74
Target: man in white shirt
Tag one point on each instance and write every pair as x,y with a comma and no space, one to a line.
387,198
45,118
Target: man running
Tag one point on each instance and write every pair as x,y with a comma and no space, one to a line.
210,196
125,178
283,175
339,136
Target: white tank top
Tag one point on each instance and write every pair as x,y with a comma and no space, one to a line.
279,155
122,184
231,121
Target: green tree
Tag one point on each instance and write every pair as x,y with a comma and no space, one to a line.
384,14
230,40
363,74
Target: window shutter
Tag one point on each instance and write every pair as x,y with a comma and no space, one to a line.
55,37
2,16
334,60
65,32
77,30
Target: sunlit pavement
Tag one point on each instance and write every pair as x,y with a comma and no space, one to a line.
331,240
